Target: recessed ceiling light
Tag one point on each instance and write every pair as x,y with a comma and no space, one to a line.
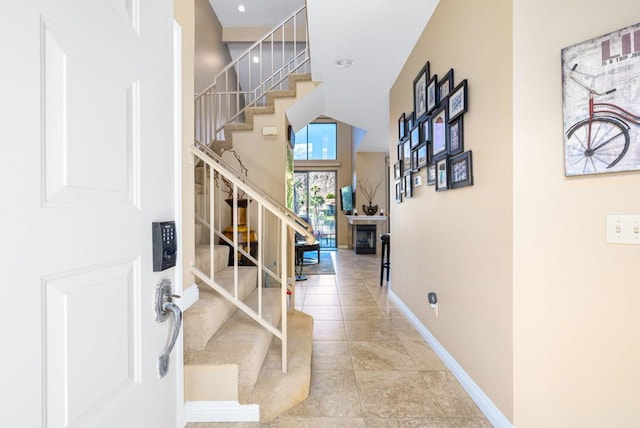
256,59
344,63
241,8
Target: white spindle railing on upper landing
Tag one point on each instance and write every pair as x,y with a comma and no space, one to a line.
271,251
245,82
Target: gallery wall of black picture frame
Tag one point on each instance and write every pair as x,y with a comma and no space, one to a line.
431,137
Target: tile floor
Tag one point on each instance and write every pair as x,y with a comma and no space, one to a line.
370,367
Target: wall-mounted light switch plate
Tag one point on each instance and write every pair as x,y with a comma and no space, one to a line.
623,229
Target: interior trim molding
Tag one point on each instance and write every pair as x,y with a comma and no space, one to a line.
490,410
222,411
189,296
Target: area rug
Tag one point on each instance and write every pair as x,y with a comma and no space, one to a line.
325,267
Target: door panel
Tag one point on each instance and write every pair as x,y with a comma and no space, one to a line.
87,166
90,115
77,306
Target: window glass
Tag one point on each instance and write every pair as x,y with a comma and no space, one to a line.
316,141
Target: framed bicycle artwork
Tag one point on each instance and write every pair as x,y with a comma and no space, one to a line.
601,99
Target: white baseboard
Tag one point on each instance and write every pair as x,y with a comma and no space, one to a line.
495,416
221,411
189,296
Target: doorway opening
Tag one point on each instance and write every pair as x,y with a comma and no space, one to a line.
314,199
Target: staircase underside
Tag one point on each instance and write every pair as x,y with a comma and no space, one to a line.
251,112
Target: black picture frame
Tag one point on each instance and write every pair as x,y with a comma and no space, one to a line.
425,129
442,174
445,85
402,124
406,157
458,101
408,186
420,92
422,153
432,93
414,160
461,170
411,119
397,170
456,136
431,174
399,191
439,122
414,136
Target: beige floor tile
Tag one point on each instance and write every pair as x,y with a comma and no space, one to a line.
324,313
313,280
329,330
333,394
225,425
331,355
380,356
362,313
322,289
450,395
426,423
299,301
370,330
423,356
364,299
350,282
403,328
392,312
291,422
352,289
395,394
321,300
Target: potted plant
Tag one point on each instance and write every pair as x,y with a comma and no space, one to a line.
369,191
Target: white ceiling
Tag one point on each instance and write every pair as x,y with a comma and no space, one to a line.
378,35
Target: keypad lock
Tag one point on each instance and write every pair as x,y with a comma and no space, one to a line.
165,245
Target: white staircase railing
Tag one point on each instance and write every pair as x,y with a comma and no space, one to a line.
265,239
245,82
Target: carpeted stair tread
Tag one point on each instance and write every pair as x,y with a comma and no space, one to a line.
220,258
241,340
275,391
210,312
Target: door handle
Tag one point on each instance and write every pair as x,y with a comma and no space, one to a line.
164,309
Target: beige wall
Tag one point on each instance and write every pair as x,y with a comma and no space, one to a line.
576,317
211,54
458,243
371,166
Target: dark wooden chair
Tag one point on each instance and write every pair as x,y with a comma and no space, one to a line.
385,239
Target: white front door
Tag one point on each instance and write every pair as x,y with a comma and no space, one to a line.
86,167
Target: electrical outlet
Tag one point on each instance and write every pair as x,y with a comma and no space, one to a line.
623,229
